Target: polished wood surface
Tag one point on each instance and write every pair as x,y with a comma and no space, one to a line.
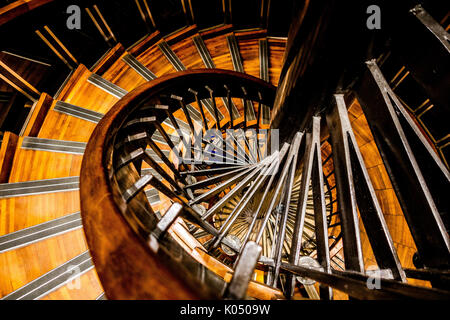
19,7
108,59
37,116
27,165
89,289
393,214
277,48
23,212
107,232
20,266
7,151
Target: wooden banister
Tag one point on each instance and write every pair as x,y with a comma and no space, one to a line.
127,267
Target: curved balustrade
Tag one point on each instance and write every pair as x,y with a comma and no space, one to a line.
188,192
271,211
227,216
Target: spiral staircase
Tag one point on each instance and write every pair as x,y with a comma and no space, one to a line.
153,169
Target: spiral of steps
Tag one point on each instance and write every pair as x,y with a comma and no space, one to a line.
174,132
40,201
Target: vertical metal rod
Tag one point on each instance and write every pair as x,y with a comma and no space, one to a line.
346,196
169,141
420,180
311,174
177,128
230,106
369,208
240,206
272,172
202,110
188,116
285,213
219,204
166,161
245,108
216,111
163,173
298,137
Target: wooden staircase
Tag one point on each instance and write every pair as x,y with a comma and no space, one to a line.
52,144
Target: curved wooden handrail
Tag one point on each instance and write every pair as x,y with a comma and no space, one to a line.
18,8
127,268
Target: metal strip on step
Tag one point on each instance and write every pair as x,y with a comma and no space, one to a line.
107,86
54,279
79,112
19,189
40,232
234,52
137,66
203,52
171,56
153,172
153,196
155,156
101,297
61,146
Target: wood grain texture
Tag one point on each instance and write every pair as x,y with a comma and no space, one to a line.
90,288
20,266
18,8
23,212
123,75
249,50
277,48
108,59
28,165
7,152
387,198
37,116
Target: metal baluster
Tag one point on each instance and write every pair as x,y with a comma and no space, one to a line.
421,181
274,273
202,110
370,210
264,198
230,104
298,136
240,206
216,111
166,161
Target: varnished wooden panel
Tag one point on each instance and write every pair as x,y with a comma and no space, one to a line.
7,152
156,62
188,54
123,76
64,127
387,198
28,165
25,264
219,52
249,49
86,95
22,212
89,289
276,53
37,116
